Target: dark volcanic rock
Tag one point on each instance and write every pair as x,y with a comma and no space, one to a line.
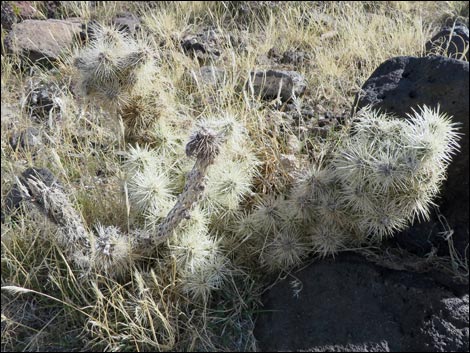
40,100
404,83
43,174
450,41
8,15
54,8
349,304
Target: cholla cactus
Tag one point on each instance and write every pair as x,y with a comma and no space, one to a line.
383,176
396,179
113,253
230,179
113,66
73,236
202,280
380,177
327,238
121,74
205,146
286,249
150,189
110,251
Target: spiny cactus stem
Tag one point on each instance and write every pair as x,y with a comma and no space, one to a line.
205,145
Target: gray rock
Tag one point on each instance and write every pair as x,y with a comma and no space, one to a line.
349,304
403,83
42,39
29,138
273,83
210,75
451,42
205,45
274,53
289,162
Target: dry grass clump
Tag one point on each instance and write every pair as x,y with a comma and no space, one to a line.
175,205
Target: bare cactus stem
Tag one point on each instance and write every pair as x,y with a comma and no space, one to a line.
73,237
205,146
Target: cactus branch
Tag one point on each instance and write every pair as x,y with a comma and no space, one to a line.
205,146
73,235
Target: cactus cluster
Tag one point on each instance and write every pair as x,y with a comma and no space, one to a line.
120,73
111,251
187,202
114,66
383,175
177,184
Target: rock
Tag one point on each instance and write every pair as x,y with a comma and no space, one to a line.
289,57
349,304
269,84
210,75
13,199
403,83
29,138
42,40
41,100
274,53
43,174
300,110
15,11
321,131
204,45
308,113
241,41
451,42
294,146
7,15
53,9
289,162
127,22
